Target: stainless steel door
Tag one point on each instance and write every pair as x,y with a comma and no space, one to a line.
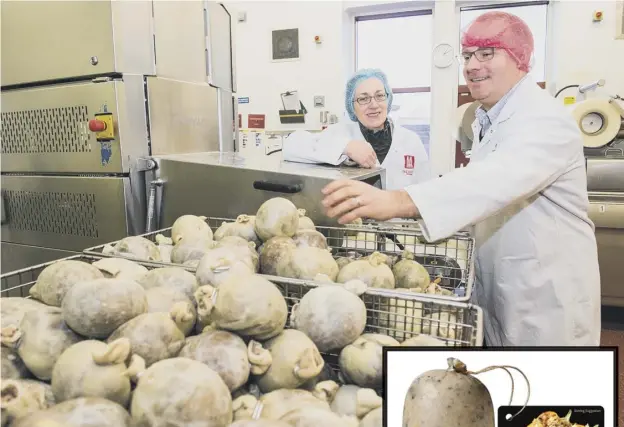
610,256
219,49
46,129
607,213
68,213
45,40
184,117
202,52
605,174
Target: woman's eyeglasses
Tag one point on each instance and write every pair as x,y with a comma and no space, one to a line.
366,99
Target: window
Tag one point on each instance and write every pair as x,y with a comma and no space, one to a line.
400,45
535,14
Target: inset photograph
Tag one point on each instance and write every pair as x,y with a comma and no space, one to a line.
551,416
520,387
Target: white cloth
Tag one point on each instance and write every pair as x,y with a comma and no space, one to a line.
525,193
406,163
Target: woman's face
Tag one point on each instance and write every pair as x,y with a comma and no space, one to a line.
371,112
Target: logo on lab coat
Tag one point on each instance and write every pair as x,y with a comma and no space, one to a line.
408,167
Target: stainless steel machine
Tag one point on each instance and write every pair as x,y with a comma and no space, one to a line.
91,88
605,182
604,154
226,184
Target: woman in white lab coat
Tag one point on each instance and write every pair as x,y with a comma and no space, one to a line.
524,191
371,139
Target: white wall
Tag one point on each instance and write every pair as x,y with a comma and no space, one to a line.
322,70
318,72
576,38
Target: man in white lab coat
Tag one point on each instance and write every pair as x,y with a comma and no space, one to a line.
524,191
371,139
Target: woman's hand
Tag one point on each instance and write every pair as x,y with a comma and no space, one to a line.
362,153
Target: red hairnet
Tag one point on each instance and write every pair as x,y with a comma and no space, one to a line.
504,31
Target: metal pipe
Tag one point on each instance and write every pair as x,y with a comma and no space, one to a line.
591,86
151,204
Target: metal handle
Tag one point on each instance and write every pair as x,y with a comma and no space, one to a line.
277,187
615,151
151,204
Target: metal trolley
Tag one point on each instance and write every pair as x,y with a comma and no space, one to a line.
451,260
400,316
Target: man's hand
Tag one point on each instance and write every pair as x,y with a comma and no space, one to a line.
350,200
362,153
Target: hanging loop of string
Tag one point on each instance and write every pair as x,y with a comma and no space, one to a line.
460,367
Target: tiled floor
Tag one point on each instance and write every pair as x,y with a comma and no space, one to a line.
613,335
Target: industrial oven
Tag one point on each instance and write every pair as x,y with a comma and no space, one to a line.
89,90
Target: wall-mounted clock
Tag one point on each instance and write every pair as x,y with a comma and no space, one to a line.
443,55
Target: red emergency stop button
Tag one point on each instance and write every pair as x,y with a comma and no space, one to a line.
96,125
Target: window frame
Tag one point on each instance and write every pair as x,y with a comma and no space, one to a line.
503,5
392,15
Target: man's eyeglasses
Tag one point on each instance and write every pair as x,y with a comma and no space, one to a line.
482,55
366,99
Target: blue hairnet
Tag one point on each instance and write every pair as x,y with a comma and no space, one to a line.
359,77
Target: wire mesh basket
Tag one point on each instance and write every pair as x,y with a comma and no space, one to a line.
449,261
455,324
18,283
400,316
406,315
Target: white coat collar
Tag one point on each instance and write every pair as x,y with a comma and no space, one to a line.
509,109
515,99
